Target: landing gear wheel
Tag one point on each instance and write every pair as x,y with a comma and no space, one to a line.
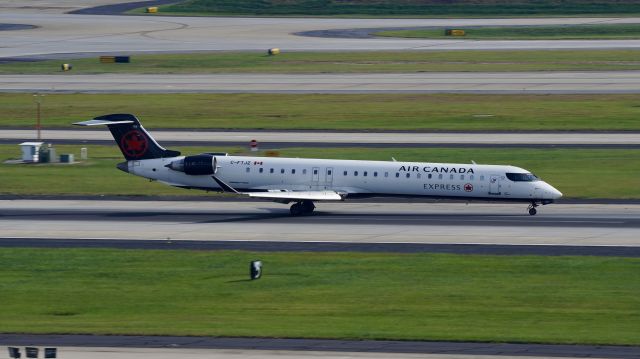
296,209
308,207
532,209
304,207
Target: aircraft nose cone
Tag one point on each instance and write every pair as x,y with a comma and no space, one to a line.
553,193
123,166
556,194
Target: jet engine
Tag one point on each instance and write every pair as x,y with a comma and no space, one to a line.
203,164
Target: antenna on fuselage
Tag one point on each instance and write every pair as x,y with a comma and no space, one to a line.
394,160
474,162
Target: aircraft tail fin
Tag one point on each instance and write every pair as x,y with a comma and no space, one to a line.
132,139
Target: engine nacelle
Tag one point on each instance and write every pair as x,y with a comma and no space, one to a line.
195,165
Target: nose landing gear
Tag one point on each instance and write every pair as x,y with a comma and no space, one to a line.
532,209
302,207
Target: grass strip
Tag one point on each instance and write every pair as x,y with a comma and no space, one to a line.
586,300
346,62
336,111
578,173
564,32
385,8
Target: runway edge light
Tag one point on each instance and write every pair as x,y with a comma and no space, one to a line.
255,270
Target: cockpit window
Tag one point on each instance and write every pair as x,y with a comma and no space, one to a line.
522,177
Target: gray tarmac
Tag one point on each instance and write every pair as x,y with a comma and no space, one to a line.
577,225
200,347
562,229
58,32
275,139
573,82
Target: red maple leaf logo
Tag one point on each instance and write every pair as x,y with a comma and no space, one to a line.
468,187
134,144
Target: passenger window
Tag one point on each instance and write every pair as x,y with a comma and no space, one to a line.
397,174
408,174
355,173
315,172
419,175
461,177
261,169
344,173
304,171
440,176
271,170
282,170
365,173
481,178
248,169
429,176
293,171
450,176
471,177
329,172
375,174
386,174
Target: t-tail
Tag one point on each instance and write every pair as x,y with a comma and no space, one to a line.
134,141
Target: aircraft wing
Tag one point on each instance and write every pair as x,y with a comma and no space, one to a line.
281,195
297,195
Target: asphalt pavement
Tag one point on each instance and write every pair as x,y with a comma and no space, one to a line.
117,34
292,138
313,348
384,223
573,82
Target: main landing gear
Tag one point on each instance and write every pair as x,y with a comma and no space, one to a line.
532,209
303,207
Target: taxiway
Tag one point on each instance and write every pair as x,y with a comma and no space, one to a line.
139,347
625,139
437,82
57,33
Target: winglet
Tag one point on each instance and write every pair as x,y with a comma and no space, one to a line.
225,187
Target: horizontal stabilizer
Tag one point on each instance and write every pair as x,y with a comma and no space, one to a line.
297,195
101,122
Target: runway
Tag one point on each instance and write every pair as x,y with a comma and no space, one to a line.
275,139
437,82
68,33
348,222
96,346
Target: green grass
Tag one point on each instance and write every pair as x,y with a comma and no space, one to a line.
347,62
578,173
587,300
567,32
427,8
332,111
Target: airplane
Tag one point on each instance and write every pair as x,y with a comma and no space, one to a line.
303,181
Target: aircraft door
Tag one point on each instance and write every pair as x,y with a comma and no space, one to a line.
315,173
328,176
494,185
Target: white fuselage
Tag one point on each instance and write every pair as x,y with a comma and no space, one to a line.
356,178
